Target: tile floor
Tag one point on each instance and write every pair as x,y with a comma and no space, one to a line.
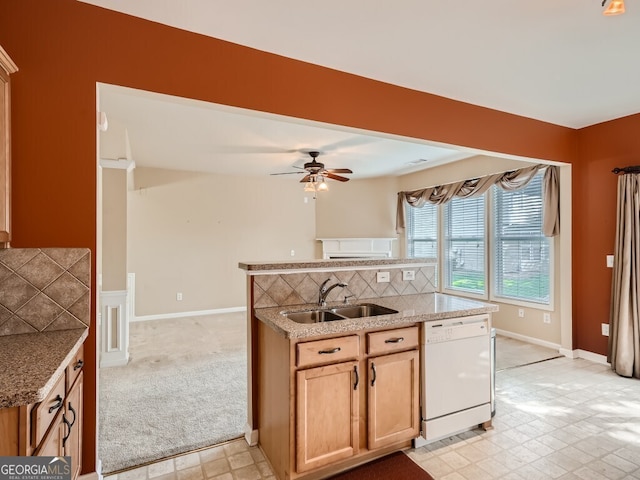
558,419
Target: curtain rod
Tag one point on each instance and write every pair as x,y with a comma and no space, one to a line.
634,169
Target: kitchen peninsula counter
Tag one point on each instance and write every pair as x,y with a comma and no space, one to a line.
32,363
423,307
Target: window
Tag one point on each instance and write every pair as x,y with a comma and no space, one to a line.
422,231
464,245
520,250
512,265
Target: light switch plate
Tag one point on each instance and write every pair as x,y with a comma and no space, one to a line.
383,277
610,261
605,329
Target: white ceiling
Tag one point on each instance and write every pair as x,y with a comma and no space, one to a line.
560,61
182,134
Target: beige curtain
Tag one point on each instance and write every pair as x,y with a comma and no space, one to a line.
551,203
512,180
624,321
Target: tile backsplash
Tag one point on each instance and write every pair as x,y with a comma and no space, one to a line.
43,289
285,289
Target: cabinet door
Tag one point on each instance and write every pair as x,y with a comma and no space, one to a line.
6,67
51,444
326,415
72,441
394,399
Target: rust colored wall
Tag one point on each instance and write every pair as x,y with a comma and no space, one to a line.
64,47
602,147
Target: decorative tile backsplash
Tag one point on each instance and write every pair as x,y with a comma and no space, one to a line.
287,289
43,289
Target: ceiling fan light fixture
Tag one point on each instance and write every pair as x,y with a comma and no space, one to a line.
322,185
309,187
616,7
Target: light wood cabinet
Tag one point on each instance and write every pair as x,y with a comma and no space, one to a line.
73,417
52,445
320,410
7,67
326,415
52,427
393,398
65,432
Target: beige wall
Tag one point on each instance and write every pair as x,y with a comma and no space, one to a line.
358,208
188,231
114,229
532,324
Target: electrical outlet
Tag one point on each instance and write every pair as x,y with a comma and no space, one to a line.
521,312
546,317
605,329
382,277
408,275
179,296
293,253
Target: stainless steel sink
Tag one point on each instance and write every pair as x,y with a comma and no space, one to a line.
313,316
363,310
339,313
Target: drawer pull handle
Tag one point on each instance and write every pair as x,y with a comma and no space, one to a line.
355,370
78,365
374,374
330,351
68,424
394,340
58,399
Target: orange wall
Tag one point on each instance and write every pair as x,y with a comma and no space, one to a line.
602,147
64,47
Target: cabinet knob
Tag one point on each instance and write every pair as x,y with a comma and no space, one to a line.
78,365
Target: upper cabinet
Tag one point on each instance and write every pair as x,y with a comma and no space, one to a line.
7,67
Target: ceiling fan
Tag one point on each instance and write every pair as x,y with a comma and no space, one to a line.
315,171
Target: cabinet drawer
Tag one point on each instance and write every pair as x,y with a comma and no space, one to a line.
75,367
45,411
327,351
392,340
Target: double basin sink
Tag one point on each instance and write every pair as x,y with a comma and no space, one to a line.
339,313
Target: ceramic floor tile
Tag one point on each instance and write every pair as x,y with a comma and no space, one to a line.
561,419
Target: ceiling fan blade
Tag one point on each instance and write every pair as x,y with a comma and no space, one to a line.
335,177
306,179
286,173
339,170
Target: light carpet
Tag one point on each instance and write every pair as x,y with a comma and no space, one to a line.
191,395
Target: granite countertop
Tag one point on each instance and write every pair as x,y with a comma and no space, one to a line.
33,362
411,309
297,265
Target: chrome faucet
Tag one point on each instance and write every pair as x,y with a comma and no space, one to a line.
324,291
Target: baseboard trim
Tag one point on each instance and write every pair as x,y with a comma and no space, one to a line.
525,338
593,357
198,313
250,435
90,476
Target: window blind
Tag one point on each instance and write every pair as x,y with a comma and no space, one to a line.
464,245
422,231
521,252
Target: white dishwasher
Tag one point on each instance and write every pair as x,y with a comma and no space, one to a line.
456,369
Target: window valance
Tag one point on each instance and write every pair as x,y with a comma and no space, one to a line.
511,180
